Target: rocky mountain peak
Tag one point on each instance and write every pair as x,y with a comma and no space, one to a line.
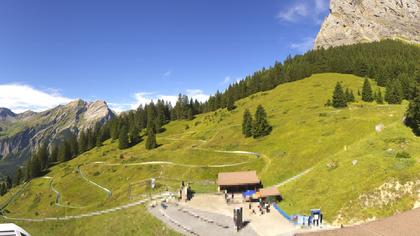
20,134
6,114
354,21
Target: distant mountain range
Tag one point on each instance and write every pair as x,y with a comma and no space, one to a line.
21,133
356,21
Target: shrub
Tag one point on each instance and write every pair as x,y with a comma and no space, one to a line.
403,155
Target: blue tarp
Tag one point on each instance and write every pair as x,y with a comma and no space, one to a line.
249,193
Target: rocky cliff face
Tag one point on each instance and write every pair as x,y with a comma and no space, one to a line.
21,133
354,21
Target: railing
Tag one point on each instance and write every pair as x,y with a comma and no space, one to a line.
283,213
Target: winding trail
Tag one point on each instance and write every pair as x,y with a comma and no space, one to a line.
154,197
58,195
14,196
109,192
94,213
294,177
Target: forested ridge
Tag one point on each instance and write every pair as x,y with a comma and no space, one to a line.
387,62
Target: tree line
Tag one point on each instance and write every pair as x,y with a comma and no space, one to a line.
390,63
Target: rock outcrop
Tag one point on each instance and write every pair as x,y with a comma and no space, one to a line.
21,133
355,21
6,114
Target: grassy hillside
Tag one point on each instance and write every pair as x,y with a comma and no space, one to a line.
306,136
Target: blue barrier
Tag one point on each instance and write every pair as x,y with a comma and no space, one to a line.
283,213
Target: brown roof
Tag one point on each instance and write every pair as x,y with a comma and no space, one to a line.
406,223
267,192
238,178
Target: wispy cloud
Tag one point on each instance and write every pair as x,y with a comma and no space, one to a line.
143,98
308,10
293,13
226,80
229,79
304,45
167,74
22,97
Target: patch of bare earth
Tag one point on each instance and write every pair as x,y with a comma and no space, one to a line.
382,197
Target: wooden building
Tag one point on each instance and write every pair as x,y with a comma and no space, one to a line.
269,193
235,182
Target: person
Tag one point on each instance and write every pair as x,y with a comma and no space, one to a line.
309,221
250,206
316,219
321,216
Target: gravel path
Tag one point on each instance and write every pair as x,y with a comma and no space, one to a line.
294,177
58,195
109,192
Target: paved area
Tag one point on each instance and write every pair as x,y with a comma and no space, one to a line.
407,223
189,221
268,224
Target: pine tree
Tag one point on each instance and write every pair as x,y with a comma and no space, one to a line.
394,92
54,153
35,167
9,182
339,99
413,115
123,138
82,142
261,126
134,135
64,152
28,169
367,94
151,138
230,105
42,156
19,176
349,95
99,141
74,146
379,98
3,189
247,124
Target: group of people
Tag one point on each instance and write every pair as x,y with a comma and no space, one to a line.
185,192
263,207
228,198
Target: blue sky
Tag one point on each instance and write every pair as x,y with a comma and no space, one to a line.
128,52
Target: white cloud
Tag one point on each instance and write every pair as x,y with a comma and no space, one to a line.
167,74
229,79
303,46
310,10
294,13
226,80
21,97
143,98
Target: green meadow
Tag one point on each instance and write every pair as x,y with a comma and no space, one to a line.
347,158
